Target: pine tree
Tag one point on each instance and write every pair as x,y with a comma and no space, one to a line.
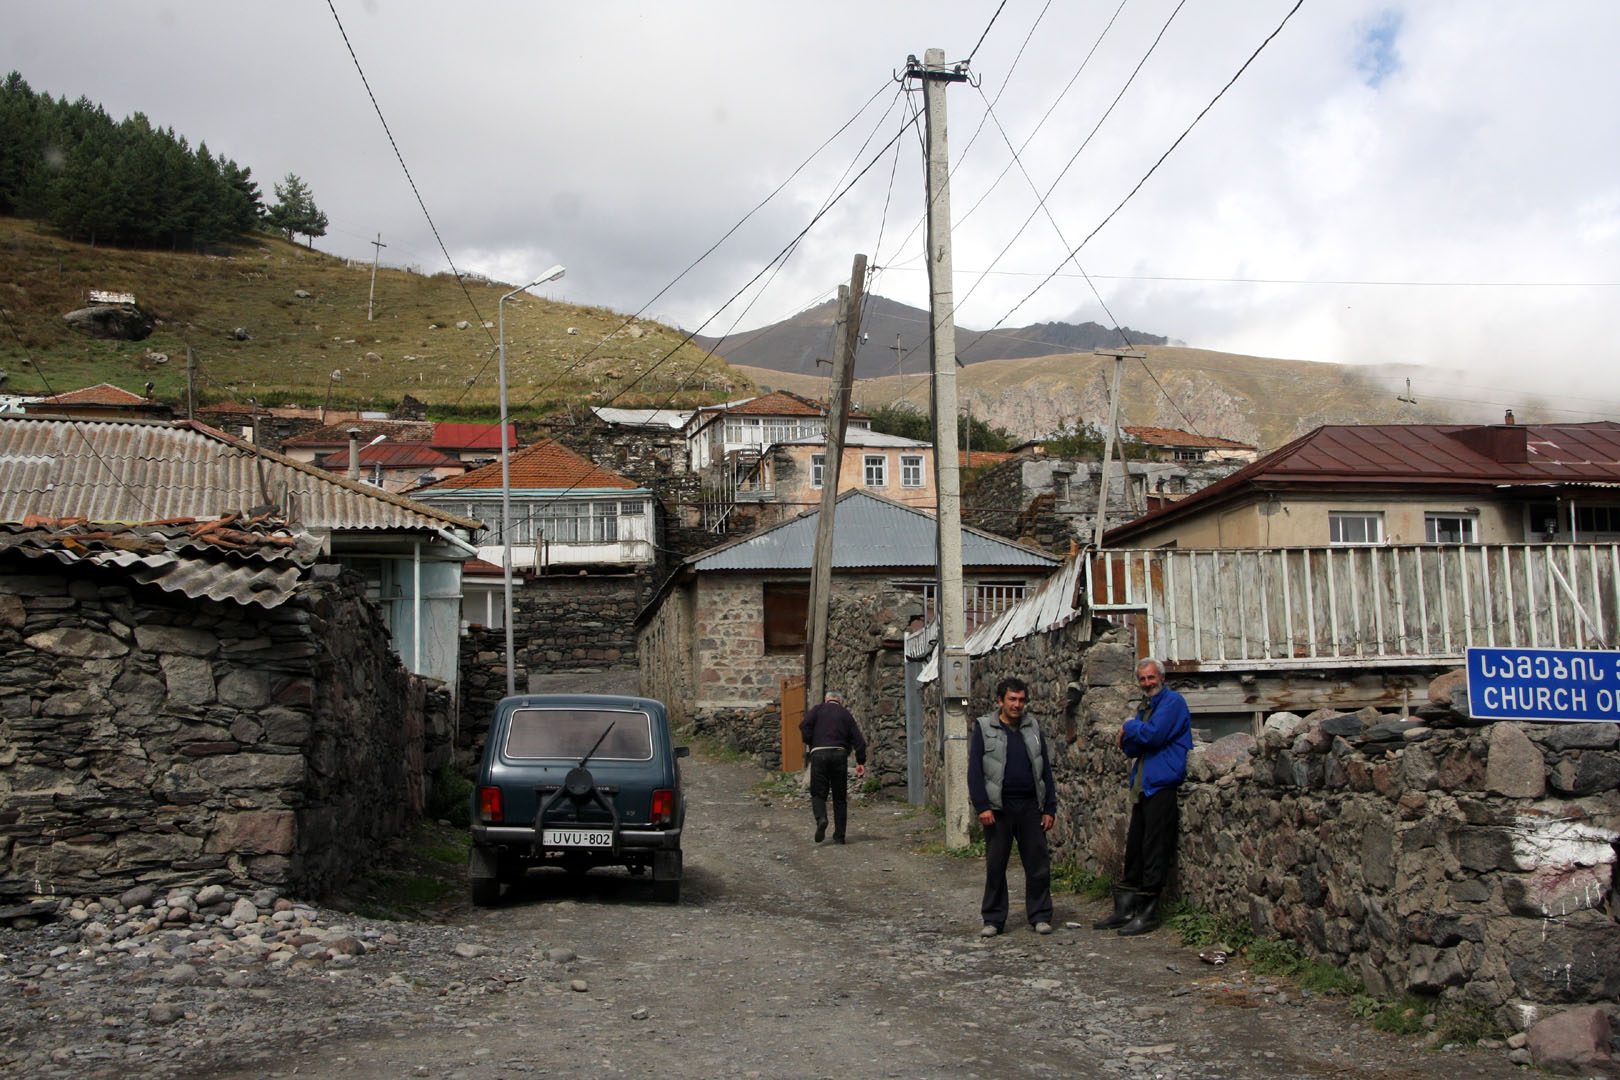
295,210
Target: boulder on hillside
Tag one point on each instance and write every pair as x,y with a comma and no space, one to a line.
119,322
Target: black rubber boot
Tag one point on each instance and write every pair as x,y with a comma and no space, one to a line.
1144,920
1125,902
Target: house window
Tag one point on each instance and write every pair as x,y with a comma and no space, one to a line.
911,470
570,522
743,429
1543,519
877,470
1445,528
818,470
1187,453
1350,528
1596,519
632,509
786,610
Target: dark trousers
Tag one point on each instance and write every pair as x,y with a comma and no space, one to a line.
829,771
1150,845
1020,820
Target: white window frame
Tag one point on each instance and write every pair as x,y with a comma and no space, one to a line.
1467,526
818,470
1371,522
875,470
912,471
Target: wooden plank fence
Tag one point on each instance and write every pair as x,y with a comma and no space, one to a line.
1376,606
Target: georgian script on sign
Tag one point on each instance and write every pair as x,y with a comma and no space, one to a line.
1544,684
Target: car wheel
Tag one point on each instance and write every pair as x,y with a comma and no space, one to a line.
486,891
667,892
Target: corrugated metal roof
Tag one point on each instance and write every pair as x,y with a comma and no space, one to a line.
1390,457
545,466
135,471
871,532
1046,609
262,564
670,418
449,436
391,455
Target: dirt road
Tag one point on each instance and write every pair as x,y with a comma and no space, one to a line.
783,959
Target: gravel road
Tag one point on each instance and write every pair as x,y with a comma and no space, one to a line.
784,959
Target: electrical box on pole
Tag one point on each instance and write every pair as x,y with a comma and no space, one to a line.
935,75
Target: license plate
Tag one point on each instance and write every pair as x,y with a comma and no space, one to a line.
591,838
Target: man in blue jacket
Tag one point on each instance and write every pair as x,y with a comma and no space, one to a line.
1158,740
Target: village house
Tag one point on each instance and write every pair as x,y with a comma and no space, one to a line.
393,466
1172,444
1405,484
103,401
408,553
583,543
729,626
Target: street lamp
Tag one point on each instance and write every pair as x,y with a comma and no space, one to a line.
506,473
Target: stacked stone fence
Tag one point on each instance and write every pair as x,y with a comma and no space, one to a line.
1469,861
151,739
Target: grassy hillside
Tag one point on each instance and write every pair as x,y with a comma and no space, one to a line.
556,353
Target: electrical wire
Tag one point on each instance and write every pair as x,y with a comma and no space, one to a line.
1161,160
987,27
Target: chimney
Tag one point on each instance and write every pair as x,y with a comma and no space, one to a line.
1508,419
354,453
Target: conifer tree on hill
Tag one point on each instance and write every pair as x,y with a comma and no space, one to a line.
295,210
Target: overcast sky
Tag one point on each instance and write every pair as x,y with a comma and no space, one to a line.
1434,182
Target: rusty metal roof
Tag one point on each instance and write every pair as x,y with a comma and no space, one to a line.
546,466
99,394
1407,457
1162,436
142,471
248,562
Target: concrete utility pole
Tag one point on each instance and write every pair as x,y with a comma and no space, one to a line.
953,664
845,340
377,245
1120,356
191,383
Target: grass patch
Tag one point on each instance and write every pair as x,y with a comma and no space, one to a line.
451,797
1200,929
972,850
781,785
716,750
1070,877
1468,1025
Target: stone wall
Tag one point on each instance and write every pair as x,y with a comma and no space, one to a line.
866,660
147,738
1424,854
578,623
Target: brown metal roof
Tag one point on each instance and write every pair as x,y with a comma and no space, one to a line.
139,471
405,431
1396,457
548,465
1161,436
99,394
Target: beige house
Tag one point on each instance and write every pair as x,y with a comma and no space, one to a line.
1370,485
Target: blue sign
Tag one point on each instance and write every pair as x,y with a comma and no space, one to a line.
1544,684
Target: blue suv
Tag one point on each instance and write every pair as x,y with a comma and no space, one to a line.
577,780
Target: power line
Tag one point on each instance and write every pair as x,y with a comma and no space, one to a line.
986,33
1162,157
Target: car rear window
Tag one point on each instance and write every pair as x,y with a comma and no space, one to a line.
570,733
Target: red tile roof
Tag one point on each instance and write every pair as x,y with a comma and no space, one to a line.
1404,457
99,394
776,403
447,436
547,465
1160,436
391,455
975,458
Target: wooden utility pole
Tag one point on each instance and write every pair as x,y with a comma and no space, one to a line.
954,682
377,246
845,340
1120,356
191,383
899,370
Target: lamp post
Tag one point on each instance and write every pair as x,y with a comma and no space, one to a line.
506,473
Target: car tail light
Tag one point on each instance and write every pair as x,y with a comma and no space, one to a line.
489,805
663,807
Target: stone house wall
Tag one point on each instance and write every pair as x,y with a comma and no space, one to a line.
578,623
1473,863
148,738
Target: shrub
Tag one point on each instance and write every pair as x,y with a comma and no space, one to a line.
450,799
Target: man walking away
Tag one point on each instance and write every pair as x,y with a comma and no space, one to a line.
1158,740
1011,788
830,734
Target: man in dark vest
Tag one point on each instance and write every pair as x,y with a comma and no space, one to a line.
830,735
1157,740
1011,788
